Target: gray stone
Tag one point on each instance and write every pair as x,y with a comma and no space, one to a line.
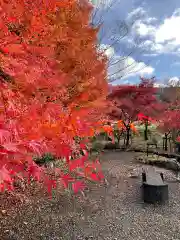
172,164
134,173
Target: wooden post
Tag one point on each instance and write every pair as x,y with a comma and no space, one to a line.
143,176
162,176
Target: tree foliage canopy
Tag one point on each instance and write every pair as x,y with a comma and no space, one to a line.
51,79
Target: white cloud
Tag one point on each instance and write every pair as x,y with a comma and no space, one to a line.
150,54
139,67
157,47
164,38
152,48
107,50
124,67
138,12
144,29
174,81
150,20
168,31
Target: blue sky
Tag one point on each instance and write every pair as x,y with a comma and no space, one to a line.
154,38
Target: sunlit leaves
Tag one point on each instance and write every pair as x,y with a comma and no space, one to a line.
57,89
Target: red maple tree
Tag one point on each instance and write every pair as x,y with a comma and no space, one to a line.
39,112
169,121
130,100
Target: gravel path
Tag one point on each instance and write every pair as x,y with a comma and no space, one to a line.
108,212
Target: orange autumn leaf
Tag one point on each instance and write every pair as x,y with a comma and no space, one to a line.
133,128
120,124
92,132
107,128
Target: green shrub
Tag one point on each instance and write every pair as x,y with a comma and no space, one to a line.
44,159
97,146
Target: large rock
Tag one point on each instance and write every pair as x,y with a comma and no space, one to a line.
172,164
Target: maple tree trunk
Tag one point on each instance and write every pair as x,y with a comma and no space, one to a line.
166,142
118,136
127,136
174,135
118,140
146,131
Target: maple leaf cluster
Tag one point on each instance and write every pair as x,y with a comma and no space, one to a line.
52,87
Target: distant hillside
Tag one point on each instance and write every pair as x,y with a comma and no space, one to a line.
167,94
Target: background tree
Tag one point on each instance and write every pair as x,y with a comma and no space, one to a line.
169,122
129,101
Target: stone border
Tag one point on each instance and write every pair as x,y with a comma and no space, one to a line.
160,153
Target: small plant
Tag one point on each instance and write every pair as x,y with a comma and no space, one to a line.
97,147
178,140
177,143
45,159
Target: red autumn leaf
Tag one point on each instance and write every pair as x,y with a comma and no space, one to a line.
35,147
2,187
4,135
13,48
66,179
5,152
100,175
5,175
35,171
94,177
51,184
178,139
12,19
10,147
9,187
78,186
77,163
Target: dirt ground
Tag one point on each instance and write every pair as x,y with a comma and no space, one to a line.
110,212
